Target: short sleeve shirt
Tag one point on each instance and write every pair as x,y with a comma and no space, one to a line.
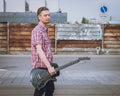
40,36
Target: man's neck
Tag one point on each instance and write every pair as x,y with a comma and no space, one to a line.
45,25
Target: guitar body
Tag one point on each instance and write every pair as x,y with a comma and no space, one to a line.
40,76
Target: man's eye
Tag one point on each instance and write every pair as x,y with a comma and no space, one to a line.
46,15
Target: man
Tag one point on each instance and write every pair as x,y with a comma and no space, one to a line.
41,50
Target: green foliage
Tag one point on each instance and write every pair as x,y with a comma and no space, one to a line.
76,22
84,21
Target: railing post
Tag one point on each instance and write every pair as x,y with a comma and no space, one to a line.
55,39
8,37
102,37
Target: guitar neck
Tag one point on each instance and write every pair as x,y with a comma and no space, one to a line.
71,63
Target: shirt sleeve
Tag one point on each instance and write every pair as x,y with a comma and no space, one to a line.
37,38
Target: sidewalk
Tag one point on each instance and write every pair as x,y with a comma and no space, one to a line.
99,76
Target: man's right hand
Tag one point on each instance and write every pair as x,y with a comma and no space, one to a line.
51,70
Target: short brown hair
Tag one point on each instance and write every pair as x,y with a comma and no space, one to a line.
41,9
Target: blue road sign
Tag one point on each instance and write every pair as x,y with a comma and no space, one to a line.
103,9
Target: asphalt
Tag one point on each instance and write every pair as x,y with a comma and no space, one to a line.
99,76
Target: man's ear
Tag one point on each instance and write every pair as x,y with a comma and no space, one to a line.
39,17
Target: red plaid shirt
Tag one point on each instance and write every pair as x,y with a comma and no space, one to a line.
40,36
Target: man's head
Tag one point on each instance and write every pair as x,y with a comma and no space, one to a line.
43,15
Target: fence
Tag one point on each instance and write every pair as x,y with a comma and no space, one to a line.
16,37
111,38
83,37
3,37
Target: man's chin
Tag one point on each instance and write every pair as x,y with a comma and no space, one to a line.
47,22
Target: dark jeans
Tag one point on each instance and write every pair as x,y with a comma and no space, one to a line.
48,90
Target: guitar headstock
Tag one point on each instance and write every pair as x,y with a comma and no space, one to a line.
83,58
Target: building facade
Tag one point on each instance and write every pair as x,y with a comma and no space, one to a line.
30,17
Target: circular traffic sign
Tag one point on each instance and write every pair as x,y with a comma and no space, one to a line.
103,9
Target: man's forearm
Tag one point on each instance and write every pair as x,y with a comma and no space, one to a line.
42,56
45,61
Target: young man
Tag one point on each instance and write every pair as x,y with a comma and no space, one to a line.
41,50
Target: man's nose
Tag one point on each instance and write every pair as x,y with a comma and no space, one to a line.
48,16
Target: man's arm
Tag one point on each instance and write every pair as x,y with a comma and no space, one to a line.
44,59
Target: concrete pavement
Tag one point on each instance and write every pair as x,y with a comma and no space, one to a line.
99,76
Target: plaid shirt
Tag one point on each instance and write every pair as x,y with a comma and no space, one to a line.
40,36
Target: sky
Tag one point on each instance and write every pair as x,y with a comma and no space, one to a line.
76,9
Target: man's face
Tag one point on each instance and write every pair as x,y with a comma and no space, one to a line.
44,17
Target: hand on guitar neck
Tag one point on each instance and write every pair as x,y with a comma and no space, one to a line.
51,70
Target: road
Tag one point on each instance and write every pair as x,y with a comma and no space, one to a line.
99,76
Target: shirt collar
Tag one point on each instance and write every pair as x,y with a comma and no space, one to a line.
43,27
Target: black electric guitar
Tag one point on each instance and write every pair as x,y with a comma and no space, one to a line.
40,76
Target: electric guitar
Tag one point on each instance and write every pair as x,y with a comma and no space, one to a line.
40,76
